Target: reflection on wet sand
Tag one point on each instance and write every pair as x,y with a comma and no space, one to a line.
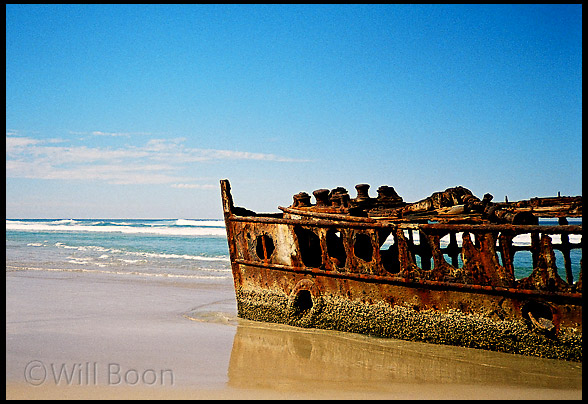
276,356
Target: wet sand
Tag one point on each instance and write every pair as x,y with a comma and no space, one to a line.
71,335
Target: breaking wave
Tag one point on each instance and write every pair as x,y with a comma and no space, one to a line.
175,227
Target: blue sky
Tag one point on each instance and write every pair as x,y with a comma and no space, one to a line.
137,111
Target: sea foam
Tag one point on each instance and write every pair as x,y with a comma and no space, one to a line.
185,228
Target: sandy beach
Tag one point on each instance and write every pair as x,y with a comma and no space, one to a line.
77,335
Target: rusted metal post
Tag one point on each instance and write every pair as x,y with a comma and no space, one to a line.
322,197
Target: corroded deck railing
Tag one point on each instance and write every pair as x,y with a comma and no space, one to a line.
357,249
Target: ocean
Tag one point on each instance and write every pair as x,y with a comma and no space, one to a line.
173,248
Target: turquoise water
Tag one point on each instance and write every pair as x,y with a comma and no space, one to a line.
165,248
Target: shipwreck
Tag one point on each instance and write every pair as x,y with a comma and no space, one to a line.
440,270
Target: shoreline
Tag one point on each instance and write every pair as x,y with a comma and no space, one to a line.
75,325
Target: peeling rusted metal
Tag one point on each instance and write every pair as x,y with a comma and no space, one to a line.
328,265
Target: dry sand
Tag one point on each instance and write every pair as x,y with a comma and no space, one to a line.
93,336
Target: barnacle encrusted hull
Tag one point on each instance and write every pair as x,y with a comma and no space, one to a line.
484,323
312,267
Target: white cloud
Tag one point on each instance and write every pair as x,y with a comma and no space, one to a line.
159,161
114,174
23,144
99,133
111,134
14,143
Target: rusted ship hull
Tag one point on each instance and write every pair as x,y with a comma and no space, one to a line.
331,272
